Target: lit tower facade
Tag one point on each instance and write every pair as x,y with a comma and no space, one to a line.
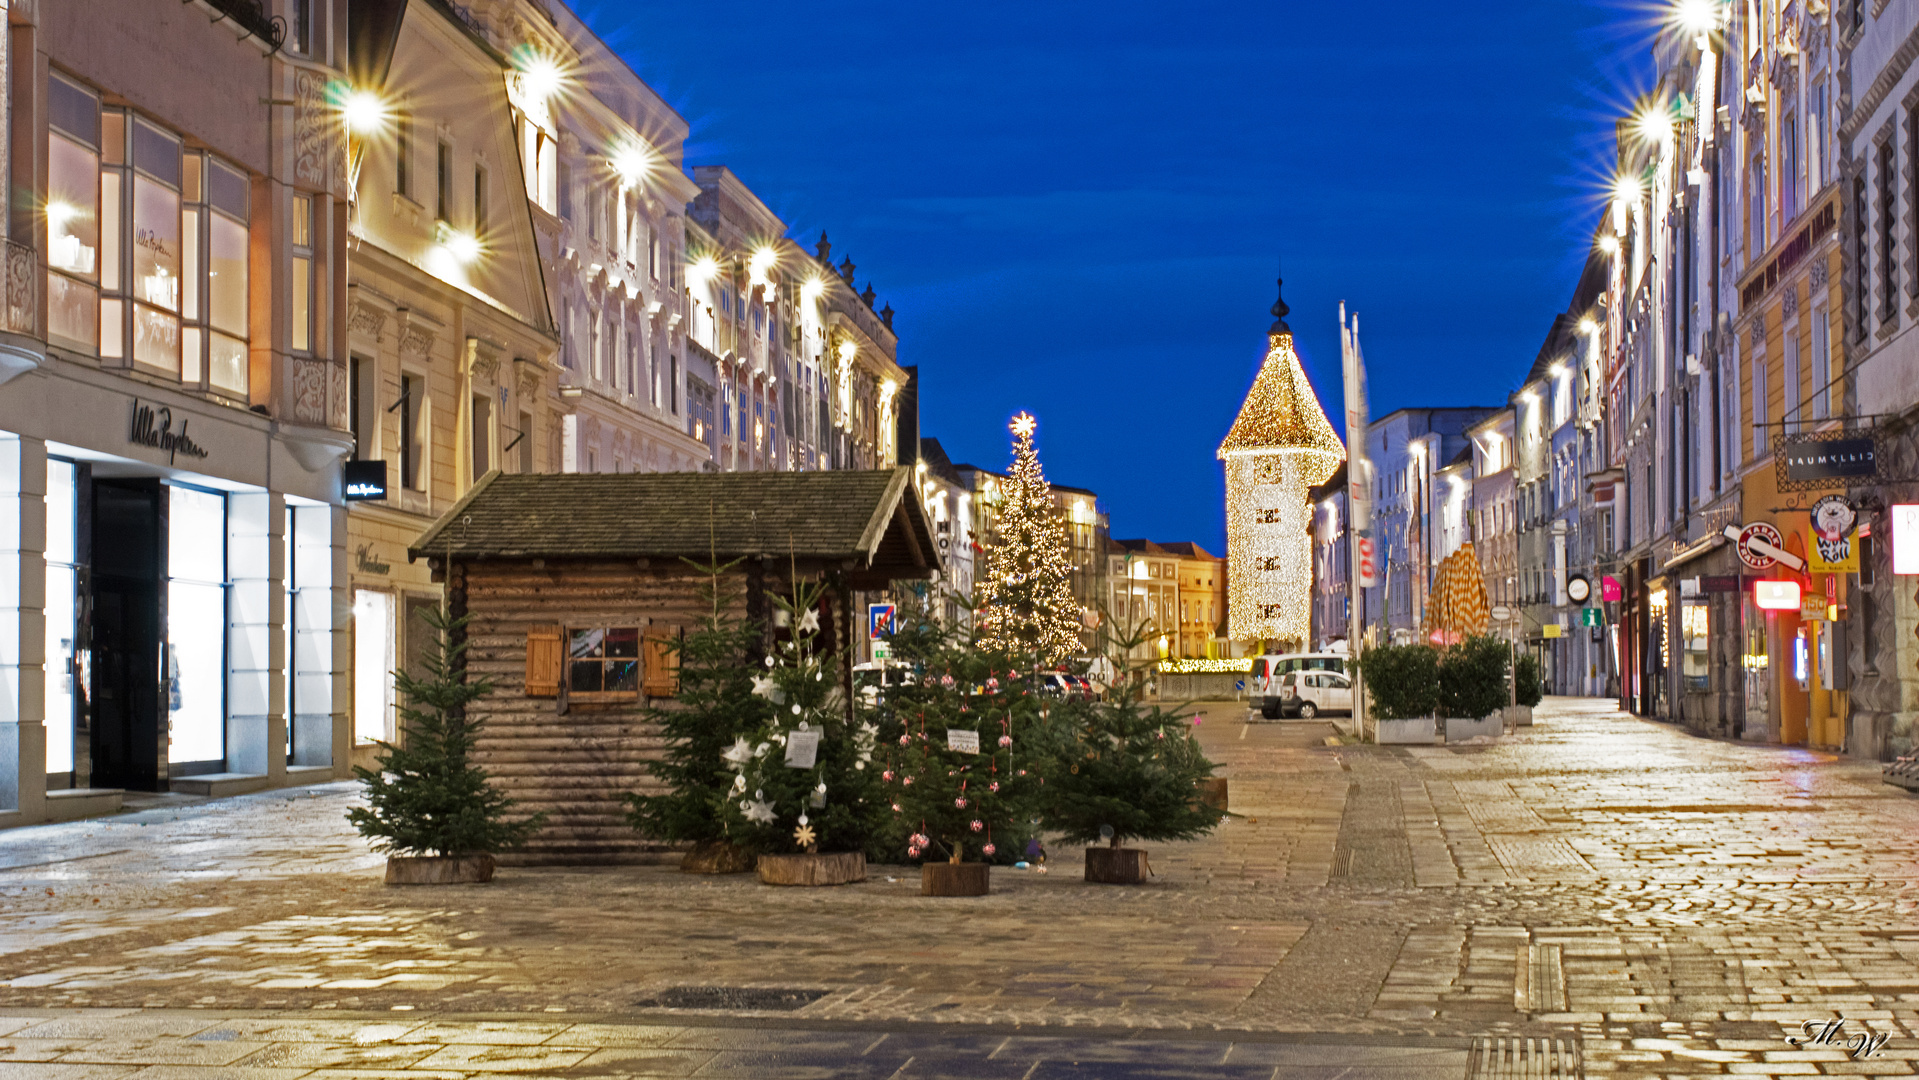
1280,445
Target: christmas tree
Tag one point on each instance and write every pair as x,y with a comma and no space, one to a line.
802,780
714,706
1122,769
958,778
1024,599
428,797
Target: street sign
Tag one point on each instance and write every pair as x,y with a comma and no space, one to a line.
882,650
1501,613
1590,617
879,620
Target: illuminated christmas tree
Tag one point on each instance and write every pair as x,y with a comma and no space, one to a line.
1280,445
1023,602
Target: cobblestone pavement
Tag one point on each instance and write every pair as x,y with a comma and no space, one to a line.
1677,906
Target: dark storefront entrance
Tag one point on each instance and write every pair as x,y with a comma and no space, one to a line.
124,545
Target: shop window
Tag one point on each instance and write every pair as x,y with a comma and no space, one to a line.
62,593
1696,668
373,663
603,662
309,623
196,625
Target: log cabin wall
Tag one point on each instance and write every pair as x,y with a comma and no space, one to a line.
576,765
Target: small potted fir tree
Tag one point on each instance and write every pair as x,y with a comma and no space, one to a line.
1528,688
429,807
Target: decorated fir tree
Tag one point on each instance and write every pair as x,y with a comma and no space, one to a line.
802,779
428,797
1024,598
715,704
958,778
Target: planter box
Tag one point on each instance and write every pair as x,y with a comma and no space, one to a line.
1212,792
956,879
839,868
438,869
1461,728
1419,731
1519,715
716,857
1115,866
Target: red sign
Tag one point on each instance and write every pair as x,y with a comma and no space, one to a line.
1776,595
1610,590
1368,573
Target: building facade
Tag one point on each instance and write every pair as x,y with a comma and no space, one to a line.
173,403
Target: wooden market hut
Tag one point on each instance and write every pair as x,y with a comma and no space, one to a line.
559,571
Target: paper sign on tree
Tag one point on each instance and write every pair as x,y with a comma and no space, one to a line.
962,742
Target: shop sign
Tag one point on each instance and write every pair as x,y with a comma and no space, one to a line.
365,561
365,480
1812,608
1551,630
1610,591
1761,545
1829,459
1718,583
152,427
1833,546
1905,538
1776,595
1578,589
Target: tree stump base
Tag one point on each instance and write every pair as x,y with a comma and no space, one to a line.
1115,866
1212,792
839,868
956,879
438,869
716,857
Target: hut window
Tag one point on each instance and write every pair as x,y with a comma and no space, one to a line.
603,660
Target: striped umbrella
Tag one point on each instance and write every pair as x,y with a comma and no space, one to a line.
1458,608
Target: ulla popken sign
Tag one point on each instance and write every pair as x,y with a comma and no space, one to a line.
152,426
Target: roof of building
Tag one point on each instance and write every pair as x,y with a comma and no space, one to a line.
861,516
1178,549
1334,484
1281,411
937,462
965,468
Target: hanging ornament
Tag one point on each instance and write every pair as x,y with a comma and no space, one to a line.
760,811
810,622
804,836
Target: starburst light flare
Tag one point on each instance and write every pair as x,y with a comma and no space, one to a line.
1280,445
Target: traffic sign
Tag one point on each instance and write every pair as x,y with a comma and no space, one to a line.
879,620
1501,613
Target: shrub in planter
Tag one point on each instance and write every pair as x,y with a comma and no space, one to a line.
1402,681
1472,678
1529,684
429,807
714,706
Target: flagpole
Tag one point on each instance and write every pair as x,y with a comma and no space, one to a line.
1359,558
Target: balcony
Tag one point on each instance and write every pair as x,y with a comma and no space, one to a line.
248,19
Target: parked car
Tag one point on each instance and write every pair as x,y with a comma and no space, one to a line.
1059,684
1266,671
872,680
1308,693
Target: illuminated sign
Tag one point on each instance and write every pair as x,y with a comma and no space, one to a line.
365,480
1905,539
1776,595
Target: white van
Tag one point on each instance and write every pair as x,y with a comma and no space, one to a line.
1306,694
1266,693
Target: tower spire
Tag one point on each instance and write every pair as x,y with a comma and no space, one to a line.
1280,309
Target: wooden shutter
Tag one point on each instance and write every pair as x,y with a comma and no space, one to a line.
660,662
543,661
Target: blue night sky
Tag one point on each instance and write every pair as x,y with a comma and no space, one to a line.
1078,208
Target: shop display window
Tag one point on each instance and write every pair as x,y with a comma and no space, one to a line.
196,624
62,553
1695,618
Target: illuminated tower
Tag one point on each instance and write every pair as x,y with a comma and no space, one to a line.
1280,446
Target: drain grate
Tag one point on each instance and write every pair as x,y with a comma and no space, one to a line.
1517,1058
732,997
